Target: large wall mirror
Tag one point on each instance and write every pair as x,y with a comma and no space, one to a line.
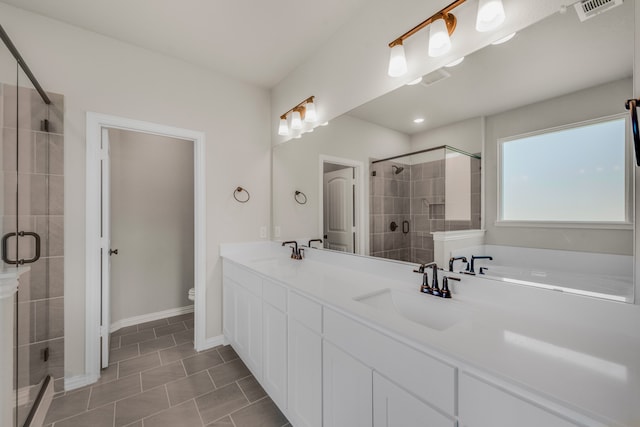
521,152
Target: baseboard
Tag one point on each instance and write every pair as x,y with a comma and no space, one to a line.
79,381
136,320
212,342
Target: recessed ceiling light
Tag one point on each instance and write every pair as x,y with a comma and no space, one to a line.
324,124
418,120
415,82
504,39
456,62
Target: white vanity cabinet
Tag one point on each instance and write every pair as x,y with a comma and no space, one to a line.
346,389
274,349
248,325
485,405
304,362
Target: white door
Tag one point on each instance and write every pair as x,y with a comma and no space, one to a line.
338,210
105,249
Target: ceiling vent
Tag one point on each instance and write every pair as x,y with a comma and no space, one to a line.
434,77
589,8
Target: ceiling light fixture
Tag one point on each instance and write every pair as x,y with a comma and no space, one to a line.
441,26
504,39
302,118
415,82
456,62
418,120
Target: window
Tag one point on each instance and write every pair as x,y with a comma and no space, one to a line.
580,173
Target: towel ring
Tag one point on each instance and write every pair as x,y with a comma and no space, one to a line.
240,190
300,197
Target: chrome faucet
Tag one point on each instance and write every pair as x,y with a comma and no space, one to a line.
455,258
295,252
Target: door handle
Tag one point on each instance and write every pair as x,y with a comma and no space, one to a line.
5,254
113,252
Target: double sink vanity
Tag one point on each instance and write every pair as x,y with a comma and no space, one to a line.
340,340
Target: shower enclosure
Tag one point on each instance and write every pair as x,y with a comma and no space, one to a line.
416,194
31,221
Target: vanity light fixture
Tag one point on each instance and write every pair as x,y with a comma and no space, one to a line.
456,62
442,24
294,120
415,82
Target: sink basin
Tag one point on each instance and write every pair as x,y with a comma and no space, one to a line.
433,312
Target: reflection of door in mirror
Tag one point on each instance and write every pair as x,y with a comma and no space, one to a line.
338,207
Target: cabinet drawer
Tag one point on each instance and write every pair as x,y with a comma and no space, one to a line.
305,311
252,282
428,378
484,405
274,294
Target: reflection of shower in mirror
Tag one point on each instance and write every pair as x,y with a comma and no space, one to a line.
397,169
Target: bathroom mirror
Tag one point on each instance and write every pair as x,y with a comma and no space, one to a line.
555,77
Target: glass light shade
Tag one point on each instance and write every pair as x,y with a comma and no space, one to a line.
504,39
283,129
415,82
296,121
490,15
397,61
310,115
439,41
456,62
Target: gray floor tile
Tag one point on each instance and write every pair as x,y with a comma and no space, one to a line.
125,331
152,324
180,318
185,415
100,417
176,353
263,413
220,402
138,364
162,375
224,422
251,388
115,390
114,342
145,335
189,323
107,375
157,344
68,405
170,329
189,387
136,424
202,361
228,353
124,353
228,373
183,336
141,405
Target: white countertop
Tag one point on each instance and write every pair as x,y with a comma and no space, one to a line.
580,352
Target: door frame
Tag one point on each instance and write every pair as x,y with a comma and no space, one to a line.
359,199
95,123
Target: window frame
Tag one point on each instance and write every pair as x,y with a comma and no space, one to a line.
627,224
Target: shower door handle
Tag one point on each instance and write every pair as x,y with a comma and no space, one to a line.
5,255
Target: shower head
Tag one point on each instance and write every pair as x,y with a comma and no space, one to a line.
398,169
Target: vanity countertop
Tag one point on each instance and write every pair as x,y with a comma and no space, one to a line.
577,351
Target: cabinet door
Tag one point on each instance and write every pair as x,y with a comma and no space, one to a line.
228,310
304,376
393,407
346,390
484,405
248,324
275,354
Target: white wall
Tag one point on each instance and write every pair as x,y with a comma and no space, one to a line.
465,135
600,101
151,223
103,75
296,167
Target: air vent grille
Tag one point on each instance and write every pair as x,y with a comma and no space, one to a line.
589,8
434,77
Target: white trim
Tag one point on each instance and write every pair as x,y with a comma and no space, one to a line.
136,320
567,224
78,381
95,122
359,205
447,236
212,342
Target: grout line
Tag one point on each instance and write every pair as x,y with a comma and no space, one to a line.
242,391
114,415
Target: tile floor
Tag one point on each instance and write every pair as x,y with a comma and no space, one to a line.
156,379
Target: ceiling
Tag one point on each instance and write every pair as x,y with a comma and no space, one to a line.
556,56
256,41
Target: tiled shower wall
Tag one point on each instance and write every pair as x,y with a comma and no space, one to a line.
417,195
40,204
